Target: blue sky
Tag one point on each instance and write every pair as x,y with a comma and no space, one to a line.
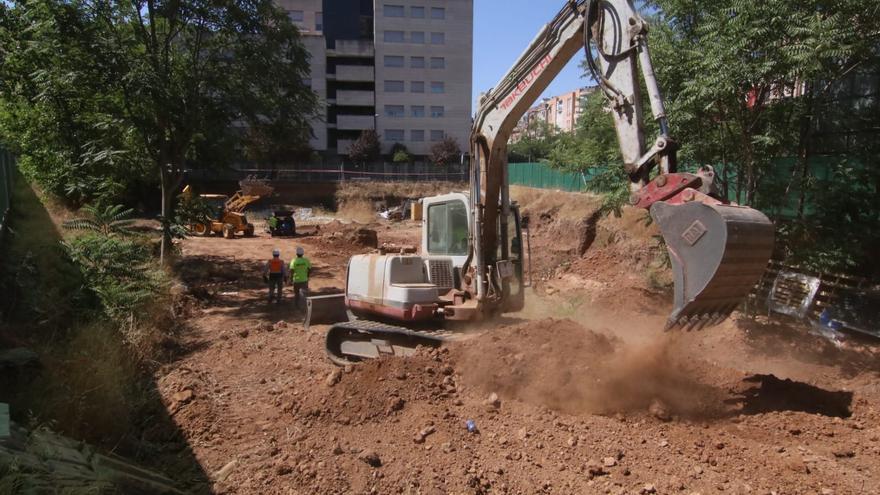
502,30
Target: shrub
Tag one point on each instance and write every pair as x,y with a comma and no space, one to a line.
118,270
445,152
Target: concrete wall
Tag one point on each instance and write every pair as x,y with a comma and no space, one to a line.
456,52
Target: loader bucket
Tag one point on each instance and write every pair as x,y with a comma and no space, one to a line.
718,254
325,310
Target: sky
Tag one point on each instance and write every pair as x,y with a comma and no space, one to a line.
502,30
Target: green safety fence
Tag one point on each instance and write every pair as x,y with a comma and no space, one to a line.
6,165
542,176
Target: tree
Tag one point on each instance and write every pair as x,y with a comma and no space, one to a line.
365,148
171,82
445,152
535,144
400,154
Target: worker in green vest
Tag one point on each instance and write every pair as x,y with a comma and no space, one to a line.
300,268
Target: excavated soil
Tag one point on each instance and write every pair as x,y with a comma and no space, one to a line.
580,393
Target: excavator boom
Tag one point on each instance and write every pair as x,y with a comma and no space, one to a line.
718,251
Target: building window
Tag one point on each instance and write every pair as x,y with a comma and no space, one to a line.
296,15
417,136
437,112
395,135
417,37
438,63
417,62
437,136
417,86
319,21
393,61
394,36
418,111
393,11
438,87
394,86
438,13
438,38
395,111
417,12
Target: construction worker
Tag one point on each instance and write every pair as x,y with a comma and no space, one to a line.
275,273
300,268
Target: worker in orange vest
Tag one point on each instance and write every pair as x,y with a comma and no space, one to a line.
275,273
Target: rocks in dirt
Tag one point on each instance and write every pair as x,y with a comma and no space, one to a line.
659,410
283,469
594,469
572,441
423,434
522,433
243,332
333,378
226,470
648,489
365,238
844,453
338,450
492,402
184,396
371,457
447,370
395,404
280,325
609,461
264,326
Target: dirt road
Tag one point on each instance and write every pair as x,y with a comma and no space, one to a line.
580,393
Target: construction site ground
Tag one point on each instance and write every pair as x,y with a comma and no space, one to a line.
580,393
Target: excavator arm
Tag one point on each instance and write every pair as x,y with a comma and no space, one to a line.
718,251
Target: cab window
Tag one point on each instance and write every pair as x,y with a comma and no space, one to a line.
448,229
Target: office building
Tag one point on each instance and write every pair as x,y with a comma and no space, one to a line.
401,67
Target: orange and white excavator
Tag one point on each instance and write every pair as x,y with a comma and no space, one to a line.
471,261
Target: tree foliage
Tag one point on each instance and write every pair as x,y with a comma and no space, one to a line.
365,148
146,86
445,152
400,154
535,144
110,221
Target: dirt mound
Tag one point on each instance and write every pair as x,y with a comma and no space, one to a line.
563,366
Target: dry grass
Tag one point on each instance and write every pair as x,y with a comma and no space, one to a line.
383,191
561,205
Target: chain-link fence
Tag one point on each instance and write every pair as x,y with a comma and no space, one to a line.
6,164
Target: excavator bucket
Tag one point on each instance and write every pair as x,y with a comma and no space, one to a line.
718,254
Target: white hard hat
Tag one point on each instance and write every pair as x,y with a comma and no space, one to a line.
300,251
276,252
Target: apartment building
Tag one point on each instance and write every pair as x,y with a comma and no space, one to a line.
562,112
401,67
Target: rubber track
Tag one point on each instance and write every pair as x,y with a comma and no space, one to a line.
365,330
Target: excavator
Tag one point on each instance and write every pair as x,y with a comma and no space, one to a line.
471,262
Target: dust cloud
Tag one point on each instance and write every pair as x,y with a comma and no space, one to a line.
563,366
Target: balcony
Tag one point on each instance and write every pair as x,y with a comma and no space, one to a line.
355,122
355,98
352,48
357,73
